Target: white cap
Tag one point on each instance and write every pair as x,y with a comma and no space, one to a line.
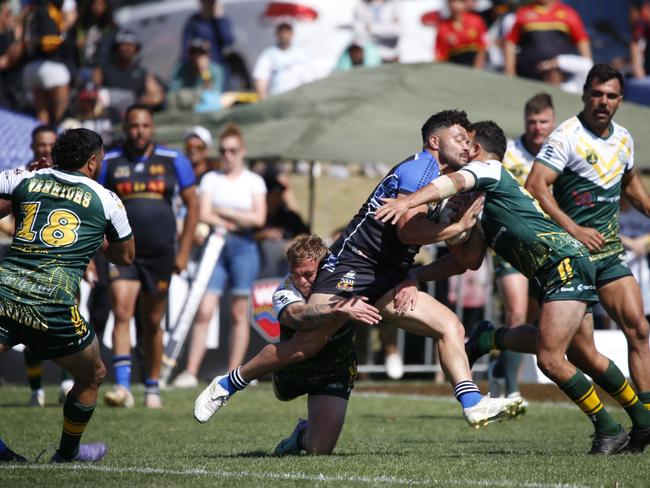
200,132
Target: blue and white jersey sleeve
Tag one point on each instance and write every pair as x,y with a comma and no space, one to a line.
284,295
184,172
416,173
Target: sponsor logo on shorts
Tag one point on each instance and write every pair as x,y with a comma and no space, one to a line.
567,288
347,282
582,287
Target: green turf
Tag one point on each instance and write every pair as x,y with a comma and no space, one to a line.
387,441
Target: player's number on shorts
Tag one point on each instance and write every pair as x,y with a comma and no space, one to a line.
60,229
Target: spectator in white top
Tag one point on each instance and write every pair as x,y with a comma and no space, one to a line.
378,21
283,66
233,198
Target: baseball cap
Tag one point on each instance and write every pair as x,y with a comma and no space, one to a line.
200,132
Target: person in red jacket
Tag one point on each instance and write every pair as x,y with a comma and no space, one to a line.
461,37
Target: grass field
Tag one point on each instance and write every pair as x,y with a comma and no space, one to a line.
388,440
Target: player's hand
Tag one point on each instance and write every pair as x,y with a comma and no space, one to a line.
470,212
40,164
90,276
180,263
406,295
392,209
357,308
591,238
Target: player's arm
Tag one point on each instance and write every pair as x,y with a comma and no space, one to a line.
5,208
442,187
191,202
636,192
122,252
303,316
539,181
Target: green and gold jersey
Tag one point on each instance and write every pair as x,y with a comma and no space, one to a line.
514,224
590,170
518,160
61,220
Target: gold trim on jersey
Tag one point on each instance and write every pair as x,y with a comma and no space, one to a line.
144,194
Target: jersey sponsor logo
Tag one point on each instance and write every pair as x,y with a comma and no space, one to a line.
139,168
261,313
582,287
330,263
157,169
591,157
583,199
567,288
347,282
283,299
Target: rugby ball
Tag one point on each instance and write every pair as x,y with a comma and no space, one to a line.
448,213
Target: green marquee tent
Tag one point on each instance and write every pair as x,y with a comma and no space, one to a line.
375,114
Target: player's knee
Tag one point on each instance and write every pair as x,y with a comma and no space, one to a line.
549,363
453,332
515,316
100,373
637,333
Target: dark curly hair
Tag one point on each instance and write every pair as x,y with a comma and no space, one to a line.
74,147
490,136
603,73
446,118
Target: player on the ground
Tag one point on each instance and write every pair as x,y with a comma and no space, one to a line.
561,272
369,259
328,377
145,175
539,121
62,217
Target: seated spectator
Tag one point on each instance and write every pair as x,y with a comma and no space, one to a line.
378,21
197,82
283,223
541,32
89,112
126,79
52,57
281,67
359,54
461,38
94,32
210,24
11,52
568,71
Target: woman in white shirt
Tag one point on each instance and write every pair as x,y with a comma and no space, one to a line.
233,198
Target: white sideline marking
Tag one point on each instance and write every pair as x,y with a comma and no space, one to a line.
372,480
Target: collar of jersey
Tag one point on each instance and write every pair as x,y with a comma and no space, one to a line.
611,128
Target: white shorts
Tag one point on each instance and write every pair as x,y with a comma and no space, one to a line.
45,74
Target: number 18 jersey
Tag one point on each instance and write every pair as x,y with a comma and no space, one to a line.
61,220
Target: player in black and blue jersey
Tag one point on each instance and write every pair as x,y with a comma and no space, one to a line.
146,176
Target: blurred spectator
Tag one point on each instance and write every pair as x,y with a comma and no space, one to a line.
126,79
233,198
639,53
378,21
197,82
88,111
541,32
568,71
11,52
52,58
198,142
283,223
359,54
94,34
209,24
43,139
473,289
461,38
635,234
500,19
281,67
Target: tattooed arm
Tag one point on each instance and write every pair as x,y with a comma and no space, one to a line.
302,316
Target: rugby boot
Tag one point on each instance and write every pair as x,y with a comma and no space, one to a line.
289,446
37,398
523,407
88,453
119,396
490,410
8,456
639,438
473,347
609,444
211,399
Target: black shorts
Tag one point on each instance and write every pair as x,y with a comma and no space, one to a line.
351,275
338,385
154,273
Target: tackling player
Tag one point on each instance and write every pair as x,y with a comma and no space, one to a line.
562,275
62,217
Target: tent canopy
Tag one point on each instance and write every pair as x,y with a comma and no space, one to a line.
375,114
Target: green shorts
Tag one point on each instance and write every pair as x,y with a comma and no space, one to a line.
502,267
50,331
569,279
339,385
610,268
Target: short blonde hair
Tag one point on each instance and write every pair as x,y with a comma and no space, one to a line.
306,247
231,130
